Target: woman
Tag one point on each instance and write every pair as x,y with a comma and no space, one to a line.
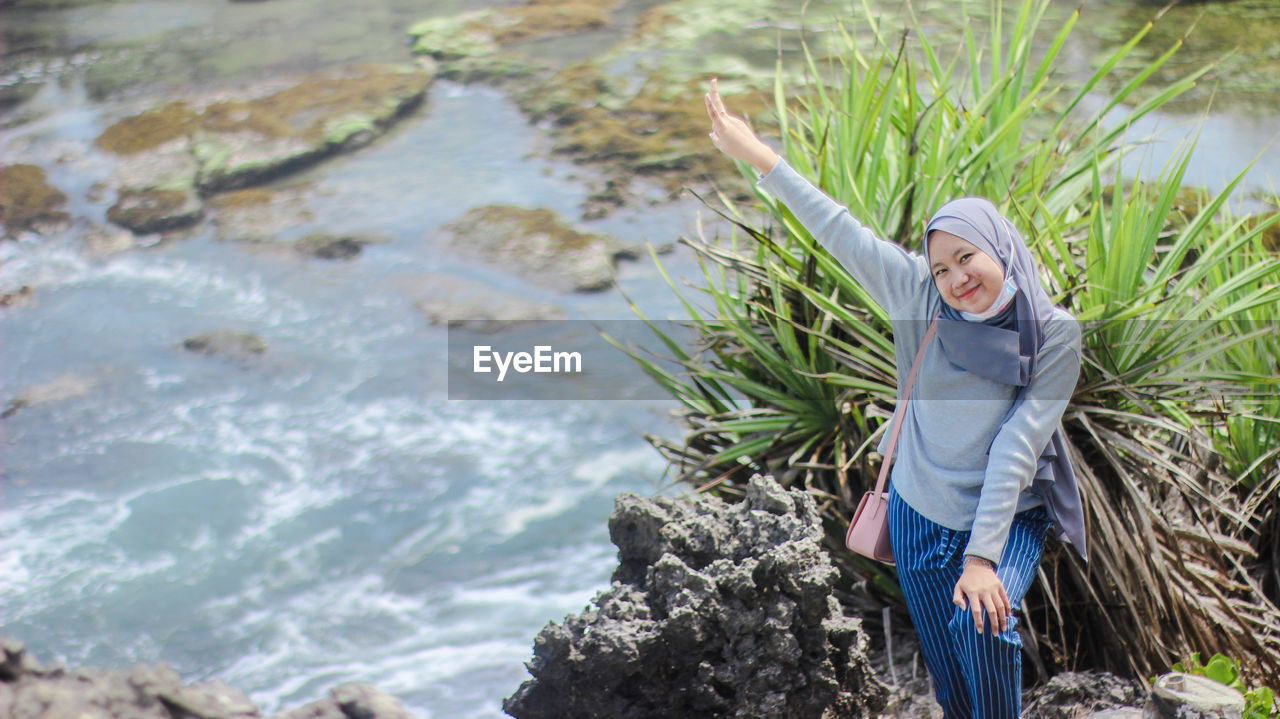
981,471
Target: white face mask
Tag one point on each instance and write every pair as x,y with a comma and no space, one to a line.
1002,300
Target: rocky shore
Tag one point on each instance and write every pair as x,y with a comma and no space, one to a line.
28,689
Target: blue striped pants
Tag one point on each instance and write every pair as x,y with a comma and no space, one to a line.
975,676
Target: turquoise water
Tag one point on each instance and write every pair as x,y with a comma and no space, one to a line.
321,513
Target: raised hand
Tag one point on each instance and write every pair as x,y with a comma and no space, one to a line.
733,136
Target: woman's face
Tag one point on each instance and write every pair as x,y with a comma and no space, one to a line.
967,278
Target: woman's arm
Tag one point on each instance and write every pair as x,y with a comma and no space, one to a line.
1015,453
1011,468
890,274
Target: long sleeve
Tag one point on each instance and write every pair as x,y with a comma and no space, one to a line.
1015,453
890,274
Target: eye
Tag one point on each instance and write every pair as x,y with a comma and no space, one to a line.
966,256
940,271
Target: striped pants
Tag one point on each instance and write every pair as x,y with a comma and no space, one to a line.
975,676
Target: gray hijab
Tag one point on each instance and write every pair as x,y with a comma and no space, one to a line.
1004,347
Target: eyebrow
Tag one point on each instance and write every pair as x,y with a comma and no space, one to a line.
957,253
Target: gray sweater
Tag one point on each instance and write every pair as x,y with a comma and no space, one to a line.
941,465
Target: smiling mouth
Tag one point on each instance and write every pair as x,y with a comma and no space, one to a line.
969,294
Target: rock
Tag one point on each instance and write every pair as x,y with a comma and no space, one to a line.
538,244
470,45
326,246
226,342
208,700
63,387
106,240
1072,694
1187,696
28,202
364,701
157,692
21,297
156,189
458,302
715,610
230,143
259,215
156,210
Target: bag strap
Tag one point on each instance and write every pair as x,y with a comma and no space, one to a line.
900,409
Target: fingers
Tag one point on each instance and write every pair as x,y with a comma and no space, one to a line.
715,97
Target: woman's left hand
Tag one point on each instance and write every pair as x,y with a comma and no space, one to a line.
980,588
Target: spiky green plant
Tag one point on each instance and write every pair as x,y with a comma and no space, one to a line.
794,372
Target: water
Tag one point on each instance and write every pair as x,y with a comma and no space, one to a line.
321,513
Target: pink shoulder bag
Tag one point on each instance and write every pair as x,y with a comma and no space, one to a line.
869,530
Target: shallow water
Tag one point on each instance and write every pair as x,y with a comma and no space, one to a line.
321,513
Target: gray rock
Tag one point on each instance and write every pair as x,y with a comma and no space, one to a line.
715,610
226,342
156,210
1074,694
365,701
459,302
259,215
209,700
327,246
64,387
30,691
539,244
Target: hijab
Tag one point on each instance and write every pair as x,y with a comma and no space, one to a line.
1003,347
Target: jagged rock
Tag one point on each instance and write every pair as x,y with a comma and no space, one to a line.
538,244
1073,694
156,692
226,342
715,610
459,302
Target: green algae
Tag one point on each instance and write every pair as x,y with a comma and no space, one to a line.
453,37
27,200
343,130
